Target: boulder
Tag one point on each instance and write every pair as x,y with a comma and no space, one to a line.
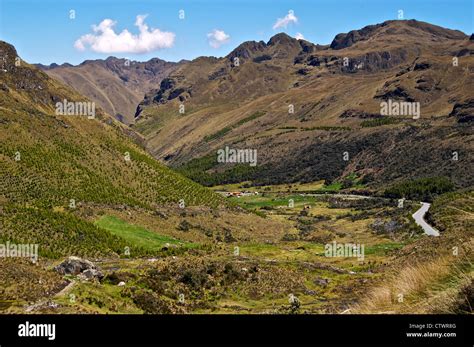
463,111
78,266
91,274
323,282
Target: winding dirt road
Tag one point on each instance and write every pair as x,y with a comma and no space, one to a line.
419,215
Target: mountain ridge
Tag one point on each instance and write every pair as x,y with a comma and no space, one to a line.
404,60
399,60
116,84
134,86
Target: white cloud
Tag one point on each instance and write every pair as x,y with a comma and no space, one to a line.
217,38
106,40
283,22
299,36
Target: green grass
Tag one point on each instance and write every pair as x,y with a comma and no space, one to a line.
59,234
104,299
271,200
298,250
382,248
333,187
378,122
137,235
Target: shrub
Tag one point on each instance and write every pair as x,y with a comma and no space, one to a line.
378,122
424,189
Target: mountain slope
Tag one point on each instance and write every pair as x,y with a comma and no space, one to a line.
336,93
52,165
117,85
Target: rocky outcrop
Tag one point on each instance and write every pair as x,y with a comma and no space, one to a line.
247,49
398,93
168,91
346,40
79,267
261,58
375,61
463,111
422,66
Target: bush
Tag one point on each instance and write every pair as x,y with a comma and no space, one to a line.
262,58
423,189
184,225
194,278
378,122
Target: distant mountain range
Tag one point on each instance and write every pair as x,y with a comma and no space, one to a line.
117,85
303,105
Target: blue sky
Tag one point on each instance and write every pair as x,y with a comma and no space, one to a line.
43,32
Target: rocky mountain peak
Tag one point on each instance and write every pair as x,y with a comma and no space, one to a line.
247,49
281,38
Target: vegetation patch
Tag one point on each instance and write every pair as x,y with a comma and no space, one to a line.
59,234
378,122
197,170
327,128
422,189
137,235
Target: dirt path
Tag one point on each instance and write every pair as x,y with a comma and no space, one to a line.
66,289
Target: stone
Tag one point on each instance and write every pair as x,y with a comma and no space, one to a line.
78,266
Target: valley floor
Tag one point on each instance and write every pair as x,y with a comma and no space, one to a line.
268,254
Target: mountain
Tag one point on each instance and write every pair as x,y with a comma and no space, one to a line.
50,161
409,27
244,100
80,187
52,66
78,183
116,85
